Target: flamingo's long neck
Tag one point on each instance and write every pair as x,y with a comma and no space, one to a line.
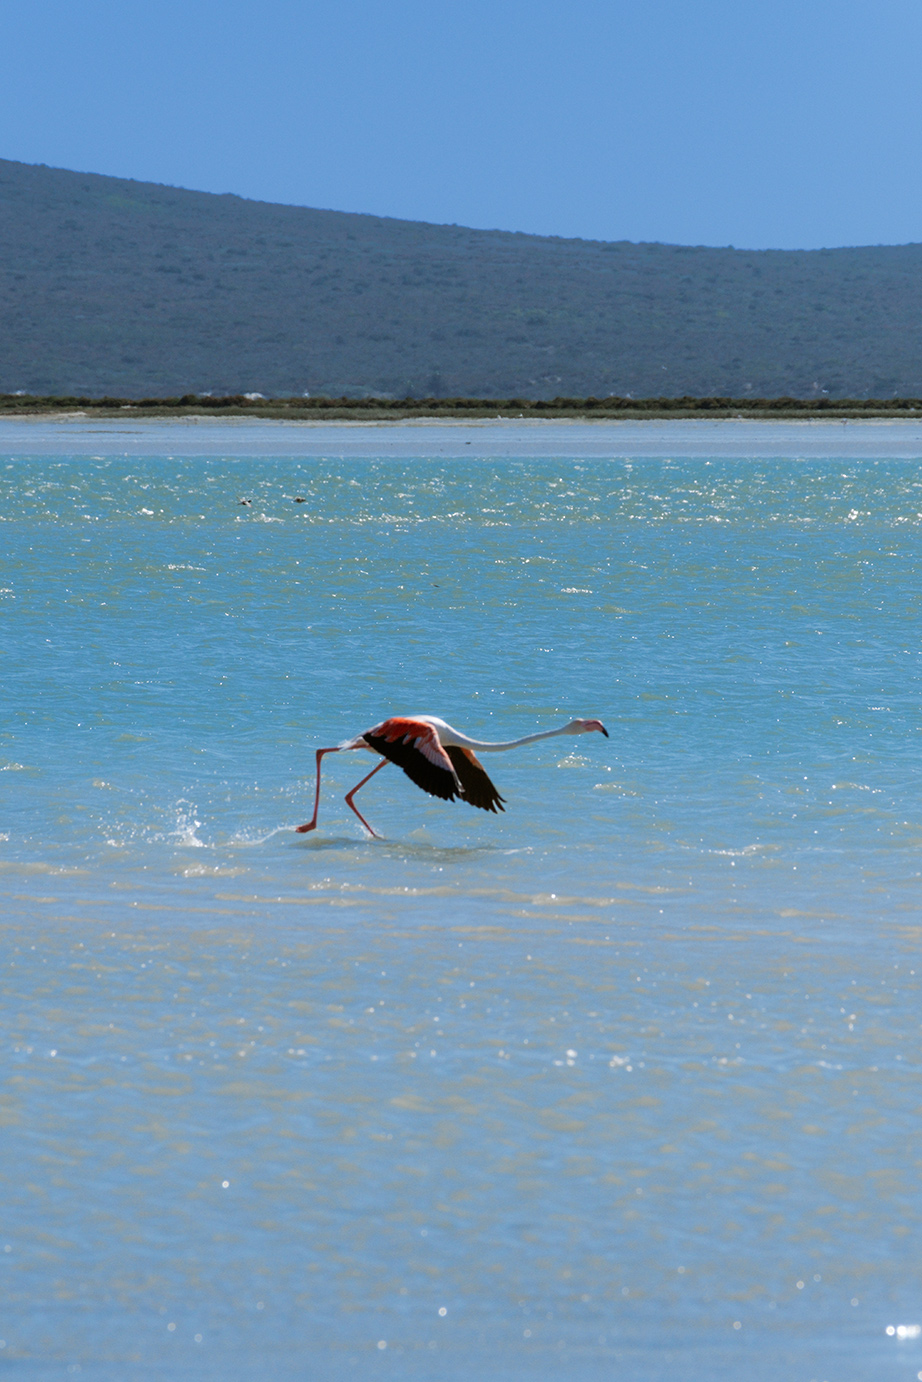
453,736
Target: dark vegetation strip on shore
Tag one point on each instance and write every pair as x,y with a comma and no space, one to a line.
375,409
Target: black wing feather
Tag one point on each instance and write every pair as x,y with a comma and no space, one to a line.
438,782
478,789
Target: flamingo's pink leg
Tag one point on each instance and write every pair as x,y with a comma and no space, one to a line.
312,823
349,802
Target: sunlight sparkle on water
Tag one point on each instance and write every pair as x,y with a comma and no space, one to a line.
673,988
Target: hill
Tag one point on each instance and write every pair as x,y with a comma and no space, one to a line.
110,286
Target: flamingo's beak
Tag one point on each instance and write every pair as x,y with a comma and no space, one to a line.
604,730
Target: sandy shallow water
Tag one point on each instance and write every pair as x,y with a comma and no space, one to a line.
621,1083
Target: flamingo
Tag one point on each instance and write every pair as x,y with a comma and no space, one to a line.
439,759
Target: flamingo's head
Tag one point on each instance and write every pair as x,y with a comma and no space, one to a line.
586,727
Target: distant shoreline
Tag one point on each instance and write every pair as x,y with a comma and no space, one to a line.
454,439
231,421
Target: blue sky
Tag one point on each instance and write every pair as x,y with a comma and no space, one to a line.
766,123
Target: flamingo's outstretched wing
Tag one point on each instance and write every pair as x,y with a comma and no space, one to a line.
414,746
478,789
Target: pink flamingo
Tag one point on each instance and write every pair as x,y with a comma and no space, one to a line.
437,758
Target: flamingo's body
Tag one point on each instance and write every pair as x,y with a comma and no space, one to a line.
439,759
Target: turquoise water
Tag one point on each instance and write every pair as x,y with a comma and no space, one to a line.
621,1084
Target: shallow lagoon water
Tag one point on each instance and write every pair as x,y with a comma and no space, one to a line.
621,1084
